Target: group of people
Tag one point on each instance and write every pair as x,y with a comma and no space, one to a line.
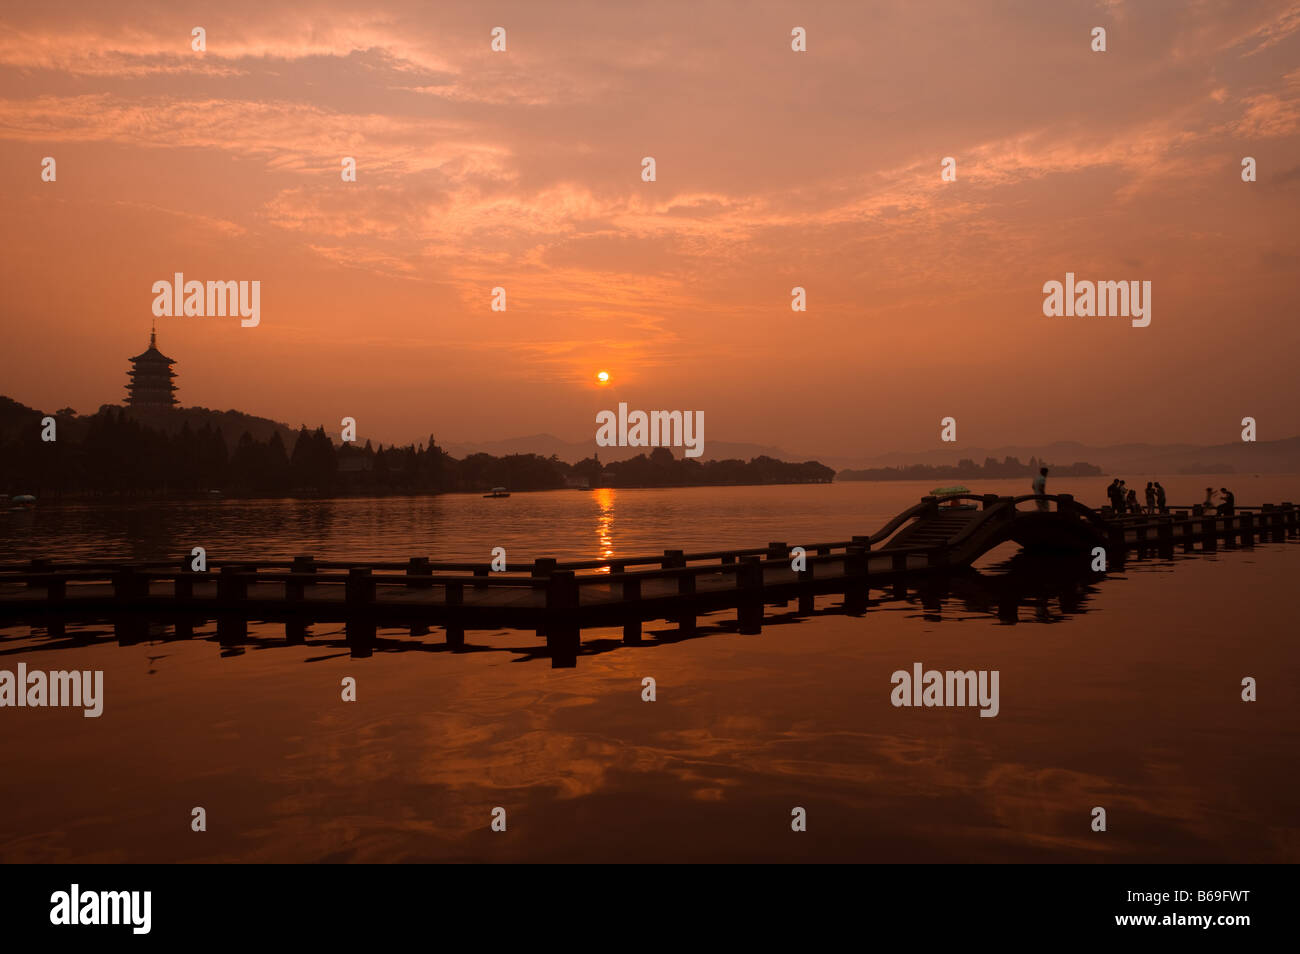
1125,499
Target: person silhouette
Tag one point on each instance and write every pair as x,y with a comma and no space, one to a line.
1040,487
1229,502
1115,497
1160,498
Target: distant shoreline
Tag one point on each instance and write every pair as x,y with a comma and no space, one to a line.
112,498
126,497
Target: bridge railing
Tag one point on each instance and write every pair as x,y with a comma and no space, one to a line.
669,559
1065,503
613,564
358,586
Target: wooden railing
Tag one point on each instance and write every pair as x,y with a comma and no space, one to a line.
565,597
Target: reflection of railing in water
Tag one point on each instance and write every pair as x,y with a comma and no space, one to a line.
559,600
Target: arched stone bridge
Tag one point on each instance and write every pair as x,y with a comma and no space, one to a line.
967,526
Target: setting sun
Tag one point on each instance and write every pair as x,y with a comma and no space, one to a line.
602,377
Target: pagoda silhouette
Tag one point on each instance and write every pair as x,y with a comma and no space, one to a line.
151,377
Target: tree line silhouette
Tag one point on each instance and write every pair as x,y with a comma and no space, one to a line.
110,452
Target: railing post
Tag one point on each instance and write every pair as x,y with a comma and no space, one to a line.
807,595
232,590
1116,546
360,624
360,587
1209,534
1165,538
675,559
128,589
1289,514
55,592
1279,526
302,565
686,616
749,612
631,613
295,630
856,589
898,563
416,569
1188,530
542,567
183,590
183,582
1247,529
563,634
454,623
778,551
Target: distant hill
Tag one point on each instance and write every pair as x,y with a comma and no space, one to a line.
231,424
1273,457
1260,457
16,418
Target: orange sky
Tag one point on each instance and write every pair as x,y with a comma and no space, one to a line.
775,169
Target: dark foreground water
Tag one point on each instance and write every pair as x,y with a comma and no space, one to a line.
1123,694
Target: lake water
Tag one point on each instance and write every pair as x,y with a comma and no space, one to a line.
1123,694
565,524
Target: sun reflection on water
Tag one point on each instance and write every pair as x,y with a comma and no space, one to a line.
605,524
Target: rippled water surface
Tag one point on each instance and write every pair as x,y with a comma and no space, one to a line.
1123,693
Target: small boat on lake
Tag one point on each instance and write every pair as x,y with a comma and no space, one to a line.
498,492
22,502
